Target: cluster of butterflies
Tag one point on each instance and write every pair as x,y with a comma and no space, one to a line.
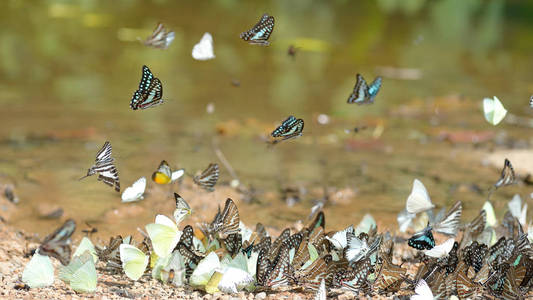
107,173
226,256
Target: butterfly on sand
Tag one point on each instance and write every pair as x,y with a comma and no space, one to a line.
507,176
290,128
261,31
150,91
160,38
57,244
105,167
422,239
164,174
364,93
227,222
208,178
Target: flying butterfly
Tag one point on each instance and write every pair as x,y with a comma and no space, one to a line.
57,244
531,101
164,174
150,91
161,38
364,93
261,31
422,239
208,178
105,167
450,223
507,177
290,128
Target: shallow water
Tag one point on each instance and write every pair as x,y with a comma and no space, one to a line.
69,70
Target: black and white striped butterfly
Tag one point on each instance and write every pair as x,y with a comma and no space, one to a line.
208,178
507,177
364,93
261,31
227,222
290,128
160,38
150,91
57,244
105,167
449,224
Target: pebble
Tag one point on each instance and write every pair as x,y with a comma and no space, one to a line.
260,296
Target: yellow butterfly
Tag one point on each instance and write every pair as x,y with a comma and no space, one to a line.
164,174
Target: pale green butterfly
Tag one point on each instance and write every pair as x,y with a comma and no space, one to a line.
366,224
205,269
491,216
39,272
164,234
134,261
86,245
80,273
494,110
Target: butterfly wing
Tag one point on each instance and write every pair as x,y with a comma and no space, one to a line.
422,240
135,192
451,221
160,38
507,176
204,49
57,244
373,89
163,175
229,221
418,201
359,91
134,261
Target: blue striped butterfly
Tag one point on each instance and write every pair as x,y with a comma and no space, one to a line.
364,93
261,31
105,167
422,239
290,128
149,93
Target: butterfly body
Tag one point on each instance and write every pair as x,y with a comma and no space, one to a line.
422,240
150,91
364,93
261,31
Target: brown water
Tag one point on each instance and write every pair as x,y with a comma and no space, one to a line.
68,70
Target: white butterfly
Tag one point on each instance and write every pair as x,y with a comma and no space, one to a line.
494,110
39,272
356,249
234,279
164,234
204,49
440,250
134,261
422,291
405,219
517,210
418,201
135,192
366,224
339,240
449,224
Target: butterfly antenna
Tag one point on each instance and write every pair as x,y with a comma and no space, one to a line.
83,177
224,161
144,234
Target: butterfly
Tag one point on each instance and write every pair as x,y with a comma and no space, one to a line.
204,49
518,210
135,192
353,278
227,222
531,101
80,274
450,223
134,261
390,276
440,250
363,93
182,208
321,292
493,110
311,276
208,178
358,248
57,244
38,272
105,167
422,239
422,291
290,128
164,174
465,286
261,31
150,91
278,269
418,201
160,38
474,254
110,254
507,176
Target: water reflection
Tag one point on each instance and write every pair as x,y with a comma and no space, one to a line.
69,70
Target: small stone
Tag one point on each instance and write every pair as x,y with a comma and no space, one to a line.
261,296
